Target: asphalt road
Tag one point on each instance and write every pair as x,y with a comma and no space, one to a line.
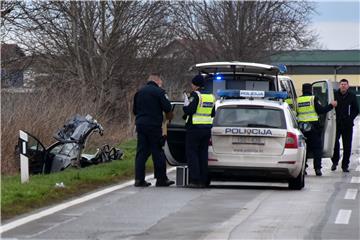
327,208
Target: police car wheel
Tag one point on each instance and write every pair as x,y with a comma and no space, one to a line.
208,182
297,183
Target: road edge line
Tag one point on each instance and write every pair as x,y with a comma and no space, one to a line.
62,206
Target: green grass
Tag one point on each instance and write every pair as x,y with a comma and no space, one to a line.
40,191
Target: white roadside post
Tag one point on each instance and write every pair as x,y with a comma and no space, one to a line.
24,161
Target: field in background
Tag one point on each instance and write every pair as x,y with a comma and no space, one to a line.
42,113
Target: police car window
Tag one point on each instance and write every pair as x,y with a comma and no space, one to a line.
250,117
248,82
321,91
293,92
293,118
239,81
178,119
285,86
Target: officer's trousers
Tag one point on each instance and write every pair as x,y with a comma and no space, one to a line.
346,133
197,145
149,141
314,146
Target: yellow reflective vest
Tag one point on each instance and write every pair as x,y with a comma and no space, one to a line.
306,109
204,109
290,102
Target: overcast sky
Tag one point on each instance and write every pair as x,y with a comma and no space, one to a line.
338,24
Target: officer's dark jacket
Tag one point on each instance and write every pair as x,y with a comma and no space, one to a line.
191,109
319,109
149,104
347,108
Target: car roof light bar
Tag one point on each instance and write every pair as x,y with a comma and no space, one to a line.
236,93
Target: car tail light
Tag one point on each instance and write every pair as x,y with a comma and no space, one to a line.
291,140
210,142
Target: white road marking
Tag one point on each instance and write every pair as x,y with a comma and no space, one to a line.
343,216
51,227
351,193
355,180
24,220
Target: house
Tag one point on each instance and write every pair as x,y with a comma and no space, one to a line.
12,66
307,66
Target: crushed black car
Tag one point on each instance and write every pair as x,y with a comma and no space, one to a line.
67,151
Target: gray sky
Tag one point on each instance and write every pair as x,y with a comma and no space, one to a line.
338,24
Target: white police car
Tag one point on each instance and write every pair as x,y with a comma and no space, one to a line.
252,138
256,139
246,76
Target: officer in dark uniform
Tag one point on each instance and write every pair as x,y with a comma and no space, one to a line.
346,111
308,111
199,110
149,104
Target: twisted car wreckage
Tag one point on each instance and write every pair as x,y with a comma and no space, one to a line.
67,151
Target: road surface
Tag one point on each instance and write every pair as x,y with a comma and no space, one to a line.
327,208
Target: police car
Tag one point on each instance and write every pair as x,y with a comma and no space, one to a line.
252,139
256,139
246,76
255,136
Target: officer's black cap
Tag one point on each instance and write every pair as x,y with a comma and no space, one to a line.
198,80
307,88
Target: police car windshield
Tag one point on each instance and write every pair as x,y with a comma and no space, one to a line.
240,81
247,116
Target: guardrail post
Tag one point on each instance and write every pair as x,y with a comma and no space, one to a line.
24,160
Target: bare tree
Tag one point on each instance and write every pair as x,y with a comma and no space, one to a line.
242,30
100,47
6,8
7,11
103,47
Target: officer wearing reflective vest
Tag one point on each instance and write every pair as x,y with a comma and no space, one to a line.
290,102
309,108
199,112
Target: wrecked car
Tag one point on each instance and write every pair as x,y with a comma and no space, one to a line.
67,151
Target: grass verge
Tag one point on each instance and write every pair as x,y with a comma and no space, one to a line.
40,191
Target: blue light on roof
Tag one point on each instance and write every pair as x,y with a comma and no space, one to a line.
275,94
228,93
218,77
282,68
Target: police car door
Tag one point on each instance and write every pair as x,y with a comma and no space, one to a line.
175,140
324,91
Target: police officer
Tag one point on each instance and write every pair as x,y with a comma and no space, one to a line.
149,104
346,111
199,110
308,111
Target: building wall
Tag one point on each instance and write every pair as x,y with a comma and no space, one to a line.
354,79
